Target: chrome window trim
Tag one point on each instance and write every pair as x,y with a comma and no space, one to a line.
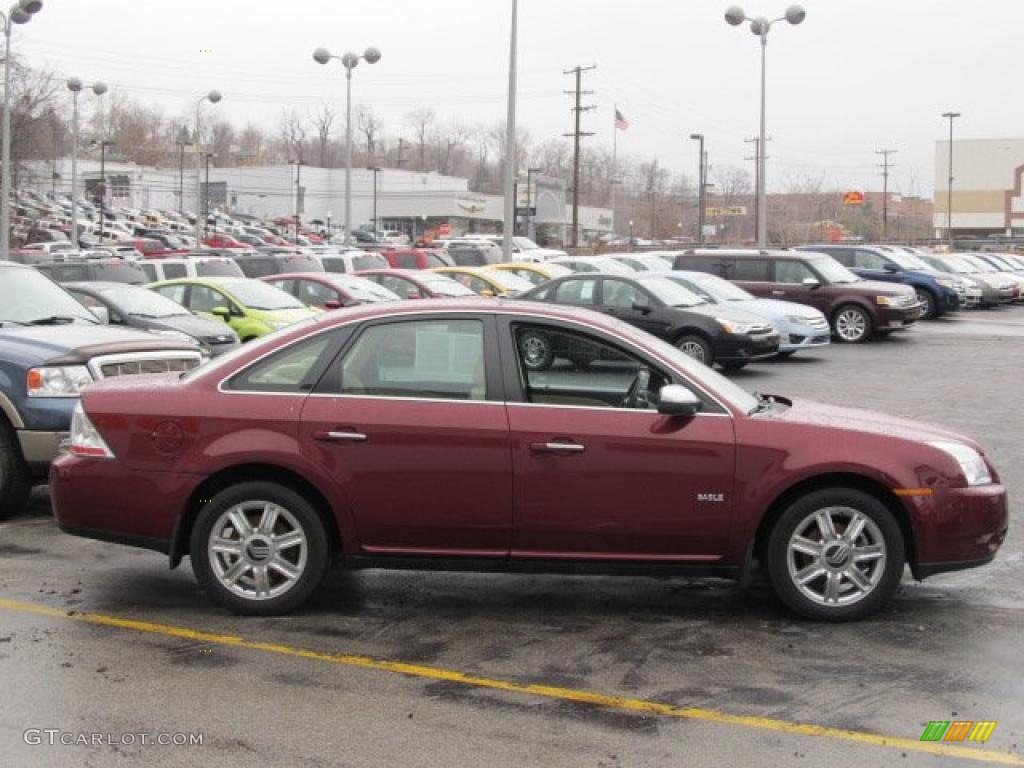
729,410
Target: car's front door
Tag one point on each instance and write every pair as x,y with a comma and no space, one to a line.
599,473
629,302
790,285
410,421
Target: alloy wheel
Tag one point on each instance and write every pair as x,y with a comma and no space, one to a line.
694,349
258,550
851,325
836,556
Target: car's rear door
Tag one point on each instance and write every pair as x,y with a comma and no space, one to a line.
410,422
602,479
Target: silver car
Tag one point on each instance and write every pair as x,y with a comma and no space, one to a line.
800,326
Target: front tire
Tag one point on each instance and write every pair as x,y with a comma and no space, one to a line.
835,555
852,324
259,549
697,348
15,479
930,311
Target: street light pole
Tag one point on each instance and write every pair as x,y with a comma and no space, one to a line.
376,224
182,143
350,61
951,116
531,201
699,137
509,217
19,14
213,97
103,180
75,86
760,26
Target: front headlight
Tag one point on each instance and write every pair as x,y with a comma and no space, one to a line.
177,336
731,327
945,282
800,320
57,380
971,463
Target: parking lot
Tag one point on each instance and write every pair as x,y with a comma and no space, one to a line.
438,669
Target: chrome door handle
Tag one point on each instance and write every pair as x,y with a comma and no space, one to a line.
341,437
557,448
778,293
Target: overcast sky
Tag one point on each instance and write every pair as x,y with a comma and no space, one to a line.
856,76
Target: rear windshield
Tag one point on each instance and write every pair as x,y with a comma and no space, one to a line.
370,261
119,272
219,268
300,263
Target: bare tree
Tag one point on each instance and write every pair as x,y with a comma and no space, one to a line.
370,126
323,121
420,120
292,131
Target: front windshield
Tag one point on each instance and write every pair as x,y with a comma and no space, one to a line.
258,295
611,266
906,260
142,302
509,281
960,266
833,271
365,290
980,264
27,296
444,286
671,293
719,287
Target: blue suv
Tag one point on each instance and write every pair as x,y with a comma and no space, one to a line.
50,347
937,293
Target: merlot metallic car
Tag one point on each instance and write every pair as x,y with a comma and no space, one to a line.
414,434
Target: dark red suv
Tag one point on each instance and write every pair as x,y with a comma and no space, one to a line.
414,434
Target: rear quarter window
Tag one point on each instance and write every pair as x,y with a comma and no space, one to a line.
172,271
754,270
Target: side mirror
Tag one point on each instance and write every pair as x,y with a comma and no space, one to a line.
677,400
642,306
222,312
811,283
891,268
333,304
102,314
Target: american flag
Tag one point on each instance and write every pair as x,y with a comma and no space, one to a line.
620,121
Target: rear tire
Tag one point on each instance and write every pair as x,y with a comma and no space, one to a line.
836,554
259,549
15,479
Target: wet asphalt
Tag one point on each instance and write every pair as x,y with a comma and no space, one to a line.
949,648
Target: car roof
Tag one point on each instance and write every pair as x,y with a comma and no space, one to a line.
93,286
14,264
213,280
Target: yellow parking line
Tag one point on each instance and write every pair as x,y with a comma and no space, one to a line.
545,691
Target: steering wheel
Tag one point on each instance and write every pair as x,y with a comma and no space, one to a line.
637,390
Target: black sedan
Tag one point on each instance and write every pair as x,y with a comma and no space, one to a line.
708,333
138,307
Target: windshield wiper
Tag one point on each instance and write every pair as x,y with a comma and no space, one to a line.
11,322
56,320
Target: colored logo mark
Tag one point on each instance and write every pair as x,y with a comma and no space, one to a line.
958,730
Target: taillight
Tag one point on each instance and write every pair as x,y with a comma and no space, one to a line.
85,439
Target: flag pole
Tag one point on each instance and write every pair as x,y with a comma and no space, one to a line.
615,161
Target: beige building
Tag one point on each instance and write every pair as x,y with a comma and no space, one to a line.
988,176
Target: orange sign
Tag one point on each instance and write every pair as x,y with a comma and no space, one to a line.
853,198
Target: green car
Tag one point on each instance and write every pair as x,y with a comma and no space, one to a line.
251,307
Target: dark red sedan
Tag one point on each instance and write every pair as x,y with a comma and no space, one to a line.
414,434
330,290
416,284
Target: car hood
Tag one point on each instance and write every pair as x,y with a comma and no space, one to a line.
76,344
283,315
193,325
856,419
881,289
727,312
773,308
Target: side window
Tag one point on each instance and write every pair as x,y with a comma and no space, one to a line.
442,359
843,255
316,294
868,260
174,271
150,271
753,270
622,295
205,299
475,284
286,371
90,301
408,261
558,367
173,292
288,286
403,288
792,272
581,293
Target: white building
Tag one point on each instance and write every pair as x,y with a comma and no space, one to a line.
988,175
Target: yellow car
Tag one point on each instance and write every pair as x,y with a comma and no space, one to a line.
487,281
536,273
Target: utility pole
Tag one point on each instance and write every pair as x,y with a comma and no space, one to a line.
401,147
756,141
885,166
576,135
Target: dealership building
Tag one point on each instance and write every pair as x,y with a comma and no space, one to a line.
410,201
988,187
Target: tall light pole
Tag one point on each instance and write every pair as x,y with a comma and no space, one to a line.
760,27
75,86
376,224
531,200
951,116
699,137
20,13
509,217
103,180
350,61
182,142
213,97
